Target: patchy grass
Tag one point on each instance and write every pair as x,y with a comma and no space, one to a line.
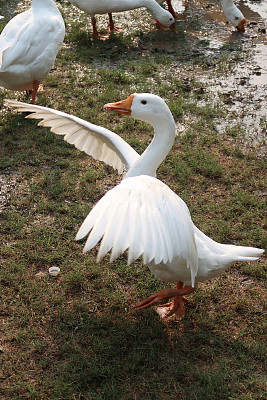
75,336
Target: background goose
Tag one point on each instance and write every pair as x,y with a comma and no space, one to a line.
28,46
232,13
93,7
142,214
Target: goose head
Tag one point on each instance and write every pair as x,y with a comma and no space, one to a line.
234,15
153,110
145,107
167,20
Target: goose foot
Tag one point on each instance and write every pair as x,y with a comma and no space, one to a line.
96,34
176,306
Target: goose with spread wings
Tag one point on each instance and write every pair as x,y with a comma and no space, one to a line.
142,215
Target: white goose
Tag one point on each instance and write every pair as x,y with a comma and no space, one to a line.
142,214
93,7
232,13
29,45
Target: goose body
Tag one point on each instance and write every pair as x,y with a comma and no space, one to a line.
29,44
93,7
142,214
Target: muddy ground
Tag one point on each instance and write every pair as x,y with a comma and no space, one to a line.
244,88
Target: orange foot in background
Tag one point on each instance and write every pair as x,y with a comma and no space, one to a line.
111,26
95,31
176,306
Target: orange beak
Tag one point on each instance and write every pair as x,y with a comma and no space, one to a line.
241,25
121,107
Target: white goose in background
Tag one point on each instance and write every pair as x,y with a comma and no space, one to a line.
142,214
232,13
93,7
29,44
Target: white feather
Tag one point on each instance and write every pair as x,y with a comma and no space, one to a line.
118,219
98,142
29,44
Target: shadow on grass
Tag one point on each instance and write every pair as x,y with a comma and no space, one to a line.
102,357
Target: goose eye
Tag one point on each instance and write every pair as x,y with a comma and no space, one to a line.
143,101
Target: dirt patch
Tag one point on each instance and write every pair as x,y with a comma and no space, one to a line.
7,186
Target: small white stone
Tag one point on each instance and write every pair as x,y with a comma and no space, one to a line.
54,271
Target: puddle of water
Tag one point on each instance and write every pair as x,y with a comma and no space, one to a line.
259,77
249,80
244,91
253,8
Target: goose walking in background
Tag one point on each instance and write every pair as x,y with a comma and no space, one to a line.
29,44
142,214
93,7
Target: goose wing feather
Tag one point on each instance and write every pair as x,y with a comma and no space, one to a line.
142,215
96,141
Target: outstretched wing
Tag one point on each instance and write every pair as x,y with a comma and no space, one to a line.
145,216
96,141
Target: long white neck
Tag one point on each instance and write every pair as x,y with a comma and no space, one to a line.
151,5
155,153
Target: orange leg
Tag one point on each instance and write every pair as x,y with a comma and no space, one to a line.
111,26
34,91
95,31
171,10
176,306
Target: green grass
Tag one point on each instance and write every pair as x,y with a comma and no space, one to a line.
76,336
